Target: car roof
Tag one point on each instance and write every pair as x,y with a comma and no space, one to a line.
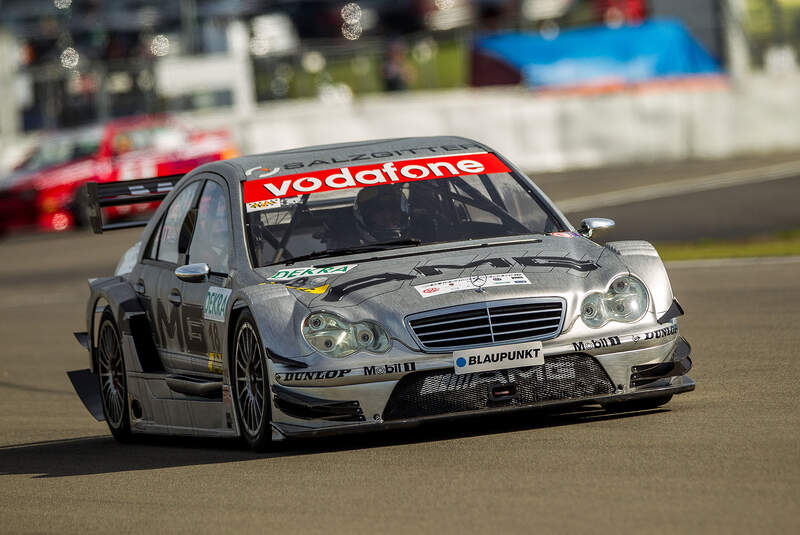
322,157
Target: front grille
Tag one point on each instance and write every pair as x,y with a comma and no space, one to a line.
562,377
492,322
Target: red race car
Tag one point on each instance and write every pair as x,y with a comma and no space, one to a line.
44,190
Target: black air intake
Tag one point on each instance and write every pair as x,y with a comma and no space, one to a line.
563,377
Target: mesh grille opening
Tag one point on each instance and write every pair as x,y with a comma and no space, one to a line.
487,323
563,377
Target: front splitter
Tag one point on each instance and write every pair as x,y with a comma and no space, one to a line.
284,430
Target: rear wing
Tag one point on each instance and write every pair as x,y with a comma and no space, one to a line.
103,194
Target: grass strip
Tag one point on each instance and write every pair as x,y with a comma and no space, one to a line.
784,243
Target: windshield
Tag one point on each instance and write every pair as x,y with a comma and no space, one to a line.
360,212
61,150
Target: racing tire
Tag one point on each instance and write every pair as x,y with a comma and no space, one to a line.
250,385
637,404
112,378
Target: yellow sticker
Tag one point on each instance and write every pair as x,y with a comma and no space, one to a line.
215,362
315,290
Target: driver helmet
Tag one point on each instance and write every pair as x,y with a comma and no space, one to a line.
382,213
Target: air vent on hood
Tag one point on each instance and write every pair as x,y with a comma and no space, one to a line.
492,322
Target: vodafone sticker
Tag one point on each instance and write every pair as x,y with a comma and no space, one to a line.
397,171
470,283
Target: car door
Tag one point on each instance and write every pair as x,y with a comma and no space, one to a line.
204,303
160,287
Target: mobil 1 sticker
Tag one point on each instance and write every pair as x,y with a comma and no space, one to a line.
481,359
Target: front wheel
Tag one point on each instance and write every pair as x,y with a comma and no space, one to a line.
637,404
250,385
112,377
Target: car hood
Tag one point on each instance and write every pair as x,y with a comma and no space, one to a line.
386,286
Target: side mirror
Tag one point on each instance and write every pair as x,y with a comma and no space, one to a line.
590,224
192,272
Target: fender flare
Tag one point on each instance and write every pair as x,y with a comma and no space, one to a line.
268,303
130,315
644,262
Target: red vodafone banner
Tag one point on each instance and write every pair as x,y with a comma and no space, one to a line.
375,174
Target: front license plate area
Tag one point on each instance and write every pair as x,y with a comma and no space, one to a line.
482,359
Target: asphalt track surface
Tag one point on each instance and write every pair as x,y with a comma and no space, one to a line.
725,458
751,208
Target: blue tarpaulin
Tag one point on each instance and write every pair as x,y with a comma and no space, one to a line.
655,49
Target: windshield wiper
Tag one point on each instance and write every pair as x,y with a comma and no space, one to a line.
366,248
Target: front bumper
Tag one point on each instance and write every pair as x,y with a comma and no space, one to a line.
286,430
428,390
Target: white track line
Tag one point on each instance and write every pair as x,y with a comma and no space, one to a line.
683,186
733,262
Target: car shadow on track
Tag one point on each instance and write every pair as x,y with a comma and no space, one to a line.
102,454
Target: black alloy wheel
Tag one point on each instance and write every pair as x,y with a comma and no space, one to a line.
112,378
251,385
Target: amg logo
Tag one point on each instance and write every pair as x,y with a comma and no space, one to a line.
551,371
666,331
390,368
596,344
313,376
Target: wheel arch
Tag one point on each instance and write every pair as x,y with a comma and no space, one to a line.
93,326
277,315
239,306
130,316
644,262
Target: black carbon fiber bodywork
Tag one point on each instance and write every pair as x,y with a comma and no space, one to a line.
562,377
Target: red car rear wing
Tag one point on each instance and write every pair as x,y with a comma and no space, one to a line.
104,194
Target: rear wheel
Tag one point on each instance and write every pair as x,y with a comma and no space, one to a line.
250,384
112,377
637,404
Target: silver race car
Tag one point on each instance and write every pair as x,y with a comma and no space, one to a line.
363,286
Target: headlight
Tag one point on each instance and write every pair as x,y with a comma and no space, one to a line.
336,337
626,300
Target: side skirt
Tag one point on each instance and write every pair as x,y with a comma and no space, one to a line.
169,404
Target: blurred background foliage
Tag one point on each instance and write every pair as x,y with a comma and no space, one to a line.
772,22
